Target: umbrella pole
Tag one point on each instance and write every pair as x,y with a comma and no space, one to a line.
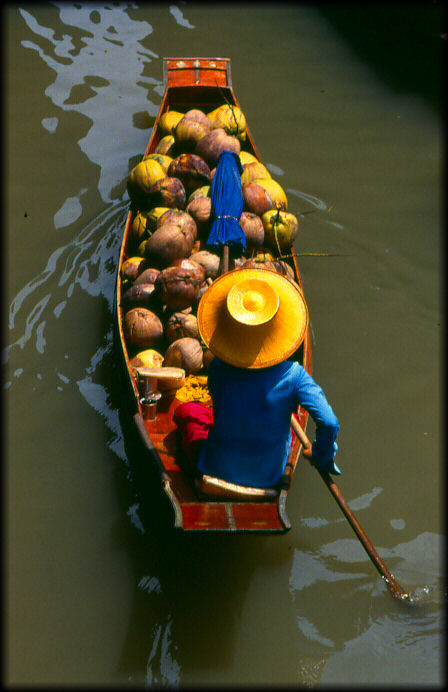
225,259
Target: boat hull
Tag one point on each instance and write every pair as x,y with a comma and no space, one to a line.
203,83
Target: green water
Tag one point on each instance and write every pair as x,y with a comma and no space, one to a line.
91,596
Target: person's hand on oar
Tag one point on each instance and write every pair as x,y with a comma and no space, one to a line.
327,466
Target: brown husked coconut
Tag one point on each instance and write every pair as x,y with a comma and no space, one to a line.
204,286
239,261
196,246
253,229
180,325
185,353
200,210
191,170
182,219
190,265
208,261
142,328
191,129
167,192
178,286
148,276
256,263
210,147
199,116
138,296
167,244
256,199
167,312
285,269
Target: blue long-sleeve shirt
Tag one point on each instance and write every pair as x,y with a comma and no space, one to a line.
250,440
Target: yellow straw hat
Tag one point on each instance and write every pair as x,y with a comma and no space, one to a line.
252,318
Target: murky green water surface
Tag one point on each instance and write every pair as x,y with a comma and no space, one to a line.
93,595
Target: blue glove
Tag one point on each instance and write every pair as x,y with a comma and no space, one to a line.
328,465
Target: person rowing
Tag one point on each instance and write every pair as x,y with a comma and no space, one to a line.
253,321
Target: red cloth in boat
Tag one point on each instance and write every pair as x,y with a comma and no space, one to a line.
194,422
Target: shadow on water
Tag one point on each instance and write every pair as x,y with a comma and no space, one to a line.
402,43
187,591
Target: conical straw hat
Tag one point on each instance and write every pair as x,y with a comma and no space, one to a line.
252,318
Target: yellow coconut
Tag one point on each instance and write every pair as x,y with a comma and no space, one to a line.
142,178
280,229
253,171
149,358
229,118
166,145
168,121
203,191
162,159
140,228
131,267
265,256
246,157
155,214
274,189
145,223
141,249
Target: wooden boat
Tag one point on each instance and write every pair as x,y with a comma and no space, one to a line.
202,83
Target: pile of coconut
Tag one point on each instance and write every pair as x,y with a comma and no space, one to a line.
169,266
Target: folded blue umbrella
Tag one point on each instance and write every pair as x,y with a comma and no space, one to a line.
227,204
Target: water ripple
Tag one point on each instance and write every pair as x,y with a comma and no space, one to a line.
179,17
50,124
70,211
107,46
365,500
98,397
169,669
16,304
90,258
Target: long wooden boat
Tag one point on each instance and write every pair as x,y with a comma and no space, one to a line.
205,84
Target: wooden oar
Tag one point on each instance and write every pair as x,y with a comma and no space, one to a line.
395,589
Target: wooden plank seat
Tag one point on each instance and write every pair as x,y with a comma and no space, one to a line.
210,486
